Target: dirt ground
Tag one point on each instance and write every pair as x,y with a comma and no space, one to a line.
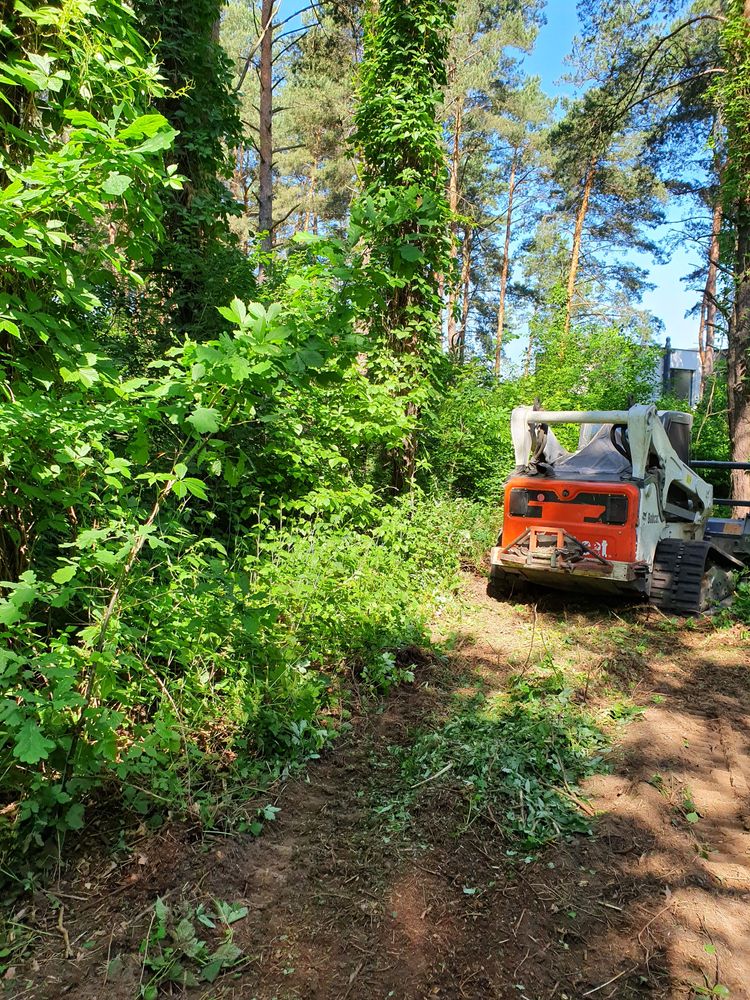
653,904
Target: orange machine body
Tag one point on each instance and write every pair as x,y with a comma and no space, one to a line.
602,514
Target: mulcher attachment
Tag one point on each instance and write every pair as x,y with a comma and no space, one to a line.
689,577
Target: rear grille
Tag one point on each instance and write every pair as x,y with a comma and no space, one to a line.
529,503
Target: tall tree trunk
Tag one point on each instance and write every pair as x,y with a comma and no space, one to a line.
506,266
738,374
466,289
453,192
707,332
310,213
265,139
575,255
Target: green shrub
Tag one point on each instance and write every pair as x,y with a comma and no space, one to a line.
219,670
469,443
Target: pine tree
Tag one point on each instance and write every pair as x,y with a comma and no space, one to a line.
732,92
486,42
522,126
315,165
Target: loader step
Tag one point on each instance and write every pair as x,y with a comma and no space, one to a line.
687,577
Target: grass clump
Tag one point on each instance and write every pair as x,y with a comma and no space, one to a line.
740,607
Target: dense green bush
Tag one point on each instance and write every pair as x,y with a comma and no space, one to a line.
195,549
218,668
469,443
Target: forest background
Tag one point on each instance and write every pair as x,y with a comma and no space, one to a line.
272,281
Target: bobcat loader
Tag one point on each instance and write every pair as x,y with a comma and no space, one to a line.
624,513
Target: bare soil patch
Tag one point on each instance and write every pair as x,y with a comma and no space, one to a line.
653,904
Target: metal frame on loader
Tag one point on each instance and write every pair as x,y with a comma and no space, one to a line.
624,513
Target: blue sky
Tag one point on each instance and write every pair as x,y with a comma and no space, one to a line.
669,300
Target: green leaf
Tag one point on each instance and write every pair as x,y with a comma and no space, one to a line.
231,912
84,119
145,125
31,745
227,952
115,968
211,971
236,312
204,419
74,816
196,487
65,573
103,557
185,931
116,184
411,253
162,140
710,949
692,817
9,613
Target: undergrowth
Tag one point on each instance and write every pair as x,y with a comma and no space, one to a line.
227,671
512,759
739,611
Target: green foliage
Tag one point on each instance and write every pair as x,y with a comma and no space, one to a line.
197,265
80,175
590,367
730,92
200,555
468,436
195,553
513,760
740,609
711,432
176,951
401,217
403,68
215,668
469,442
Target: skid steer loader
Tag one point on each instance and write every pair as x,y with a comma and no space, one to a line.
624,513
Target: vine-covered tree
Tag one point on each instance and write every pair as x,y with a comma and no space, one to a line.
403,211
197,264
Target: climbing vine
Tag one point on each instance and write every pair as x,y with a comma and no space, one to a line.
402,215
198,263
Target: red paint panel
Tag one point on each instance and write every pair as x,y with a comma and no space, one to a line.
580,519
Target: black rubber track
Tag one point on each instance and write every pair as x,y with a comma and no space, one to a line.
677,575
